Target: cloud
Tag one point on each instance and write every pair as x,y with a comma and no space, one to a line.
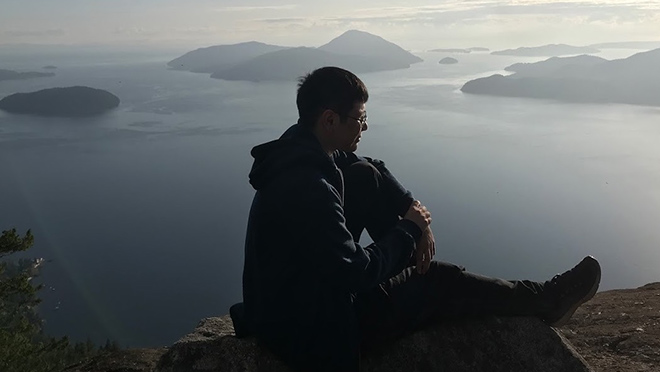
201,30
33,33
134,31
282,20
471,12
255,8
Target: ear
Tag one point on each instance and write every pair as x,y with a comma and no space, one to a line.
328,120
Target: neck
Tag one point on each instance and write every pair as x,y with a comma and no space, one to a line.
326,145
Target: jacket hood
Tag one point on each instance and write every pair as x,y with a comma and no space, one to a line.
296,148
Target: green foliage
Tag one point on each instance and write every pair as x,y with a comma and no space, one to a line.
23,345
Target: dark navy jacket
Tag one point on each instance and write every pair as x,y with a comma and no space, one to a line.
302,268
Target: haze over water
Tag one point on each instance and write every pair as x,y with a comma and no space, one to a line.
143,210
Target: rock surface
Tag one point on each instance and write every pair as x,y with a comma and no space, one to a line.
617,330
493,344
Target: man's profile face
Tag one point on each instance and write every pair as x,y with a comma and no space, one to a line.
351,128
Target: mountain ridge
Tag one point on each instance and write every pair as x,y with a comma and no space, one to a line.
355,50
633,80
548,50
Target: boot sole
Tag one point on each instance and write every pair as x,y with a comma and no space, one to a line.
569,313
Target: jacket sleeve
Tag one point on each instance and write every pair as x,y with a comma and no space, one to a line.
393,190
338,258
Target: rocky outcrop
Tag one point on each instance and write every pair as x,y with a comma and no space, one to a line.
493,344
617,330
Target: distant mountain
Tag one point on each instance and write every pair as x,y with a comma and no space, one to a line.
640,68
13,75
292,63
552,65
217,57
450,50
633,80
448,61
551,50
628,45
360,43
354,50
49,67
67,102
478,49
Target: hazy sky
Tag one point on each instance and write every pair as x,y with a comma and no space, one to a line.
416,25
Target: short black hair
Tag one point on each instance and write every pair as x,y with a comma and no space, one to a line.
328,88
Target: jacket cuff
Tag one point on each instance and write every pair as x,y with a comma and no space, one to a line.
404,203
411,228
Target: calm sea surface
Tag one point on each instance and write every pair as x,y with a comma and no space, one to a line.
142,212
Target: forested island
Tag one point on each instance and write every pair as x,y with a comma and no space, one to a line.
550,50
354,50
583,79
448,61
65,102
14,75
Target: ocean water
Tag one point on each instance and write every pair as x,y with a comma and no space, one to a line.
142,212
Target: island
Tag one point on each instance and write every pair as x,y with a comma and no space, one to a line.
49,67
550,50
553,64
448,61
217,57
384,54
460,50
354,50
633,80
14,75
647,45
450,50
74,101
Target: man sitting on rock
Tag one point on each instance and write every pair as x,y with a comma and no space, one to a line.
317,298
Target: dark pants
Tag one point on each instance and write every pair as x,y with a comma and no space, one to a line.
408,301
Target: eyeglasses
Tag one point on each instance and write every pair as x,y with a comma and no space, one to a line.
362,119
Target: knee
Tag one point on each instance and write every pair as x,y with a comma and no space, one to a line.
445,270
